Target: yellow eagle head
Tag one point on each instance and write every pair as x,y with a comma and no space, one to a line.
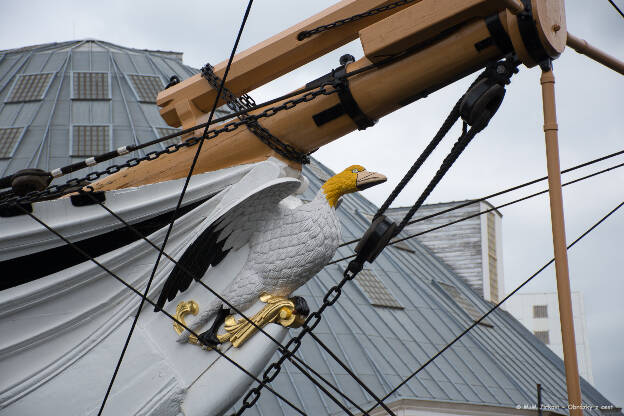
352,179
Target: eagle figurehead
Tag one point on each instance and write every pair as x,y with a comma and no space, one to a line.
287,246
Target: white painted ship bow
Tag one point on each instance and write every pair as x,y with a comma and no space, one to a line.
63,333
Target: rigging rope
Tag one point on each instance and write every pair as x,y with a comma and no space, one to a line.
475,107
177,208
486,211
616,8
501,72
513,188
475,323
478,114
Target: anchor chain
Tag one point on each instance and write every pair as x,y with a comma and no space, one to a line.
73,184
307,33
245,102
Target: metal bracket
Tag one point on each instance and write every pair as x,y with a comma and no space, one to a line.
347,104
530,37
375,239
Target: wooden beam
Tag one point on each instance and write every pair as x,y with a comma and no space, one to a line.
268,60
570,359
582,47
378,92
419,23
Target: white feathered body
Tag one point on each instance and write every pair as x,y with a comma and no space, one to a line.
287,247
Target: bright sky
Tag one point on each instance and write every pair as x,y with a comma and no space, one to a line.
509,152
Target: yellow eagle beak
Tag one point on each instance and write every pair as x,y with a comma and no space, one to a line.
366,179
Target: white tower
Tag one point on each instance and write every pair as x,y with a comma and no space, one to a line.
472,248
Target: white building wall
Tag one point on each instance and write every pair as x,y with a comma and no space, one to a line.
462,246
521,307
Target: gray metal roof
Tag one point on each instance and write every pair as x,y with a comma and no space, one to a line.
497,365
119,99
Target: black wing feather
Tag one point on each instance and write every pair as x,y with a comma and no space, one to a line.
205,251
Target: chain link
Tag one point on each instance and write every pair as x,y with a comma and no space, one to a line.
308,33
293,345
245,102
71,185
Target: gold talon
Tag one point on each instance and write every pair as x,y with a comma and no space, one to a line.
278,309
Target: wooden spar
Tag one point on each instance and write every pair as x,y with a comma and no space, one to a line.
418,23
447,45
185,103
378,92
559,242
583,47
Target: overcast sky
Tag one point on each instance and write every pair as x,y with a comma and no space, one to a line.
510,151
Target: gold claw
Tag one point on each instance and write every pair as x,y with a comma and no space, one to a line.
278,309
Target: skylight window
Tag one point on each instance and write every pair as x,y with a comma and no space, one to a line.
30,87
90,86
543,336
9,137
146,87
375,290
463,302
540,311
90,140
165,131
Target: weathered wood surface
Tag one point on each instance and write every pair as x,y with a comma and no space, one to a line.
268,60
378,92
420,23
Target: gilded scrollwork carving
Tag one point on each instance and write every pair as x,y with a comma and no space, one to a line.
278,309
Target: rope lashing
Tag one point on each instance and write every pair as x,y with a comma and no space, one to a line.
476,107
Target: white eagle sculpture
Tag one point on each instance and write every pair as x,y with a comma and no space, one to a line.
286,247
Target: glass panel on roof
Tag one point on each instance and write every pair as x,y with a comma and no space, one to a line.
9,136
146,87
90,140
464,303
375,290
90,86
30,87
165,131
542,336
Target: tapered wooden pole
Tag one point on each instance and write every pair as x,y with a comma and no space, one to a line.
559,242
583,47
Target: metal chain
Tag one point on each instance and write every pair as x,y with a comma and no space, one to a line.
245,102
326,88
293,345
307,33
332,295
